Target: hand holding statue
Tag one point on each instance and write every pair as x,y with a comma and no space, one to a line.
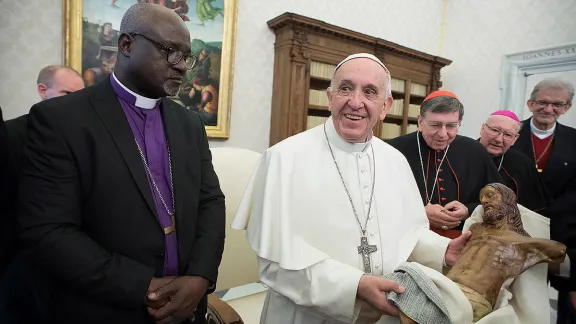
372,290
455,248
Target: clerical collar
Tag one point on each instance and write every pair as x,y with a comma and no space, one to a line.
132,97
340,143
541,134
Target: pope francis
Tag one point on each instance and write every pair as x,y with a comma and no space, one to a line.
331,210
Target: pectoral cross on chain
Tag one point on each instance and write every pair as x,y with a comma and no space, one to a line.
365,250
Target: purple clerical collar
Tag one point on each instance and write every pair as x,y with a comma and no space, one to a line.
130,96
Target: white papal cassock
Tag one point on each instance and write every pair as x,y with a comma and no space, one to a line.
300,223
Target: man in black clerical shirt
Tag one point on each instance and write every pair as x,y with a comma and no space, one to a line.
551,146
450,170
121,214
497,135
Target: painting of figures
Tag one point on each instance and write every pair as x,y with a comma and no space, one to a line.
207,86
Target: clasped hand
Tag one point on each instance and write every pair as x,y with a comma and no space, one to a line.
174,299
449,216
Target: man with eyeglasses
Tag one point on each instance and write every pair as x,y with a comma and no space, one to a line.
497,135
551,147
450,169
122,216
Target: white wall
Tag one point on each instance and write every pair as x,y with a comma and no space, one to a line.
476,36
479,33
30,47
30,39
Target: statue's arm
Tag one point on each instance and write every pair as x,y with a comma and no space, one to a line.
543,250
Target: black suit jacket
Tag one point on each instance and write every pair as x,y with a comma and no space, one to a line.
560,172
16,129
559,175
89,223
16,140
7,182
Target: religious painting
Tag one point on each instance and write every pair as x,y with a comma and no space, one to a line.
91,31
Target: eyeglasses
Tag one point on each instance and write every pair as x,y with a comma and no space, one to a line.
543,104
437,126
173,56
508,136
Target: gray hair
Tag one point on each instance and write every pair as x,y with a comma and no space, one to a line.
442,105
555,84
137,18
388,82
46,75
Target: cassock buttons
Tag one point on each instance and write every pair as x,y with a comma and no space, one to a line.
443,198
378,266
372,233
565,163
362,171
370,218
438,160
360,155
442,189
365,186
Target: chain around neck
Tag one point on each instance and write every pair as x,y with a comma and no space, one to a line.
429,198
154,182
362,229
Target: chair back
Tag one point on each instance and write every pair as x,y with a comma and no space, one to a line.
234,166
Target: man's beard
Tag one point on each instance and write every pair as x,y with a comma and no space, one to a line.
170,91
494,214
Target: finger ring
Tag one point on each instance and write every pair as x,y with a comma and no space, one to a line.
444,227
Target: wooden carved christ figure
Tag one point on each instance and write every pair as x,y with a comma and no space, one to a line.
498,250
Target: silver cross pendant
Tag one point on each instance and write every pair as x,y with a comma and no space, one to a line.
365,249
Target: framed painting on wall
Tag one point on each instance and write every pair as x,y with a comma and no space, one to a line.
91,30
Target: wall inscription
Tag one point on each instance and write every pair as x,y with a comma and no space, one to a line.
555,53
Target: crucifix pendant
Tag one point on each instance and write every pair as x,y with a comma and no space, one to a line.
365,249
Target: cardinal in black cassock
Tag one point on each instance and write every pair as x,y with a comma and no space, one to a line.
450,170
518,172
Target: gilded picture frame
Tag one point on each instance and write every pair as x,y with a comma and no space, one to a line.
91,27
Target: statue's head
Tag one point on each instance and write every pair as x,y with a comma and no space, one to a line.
499,203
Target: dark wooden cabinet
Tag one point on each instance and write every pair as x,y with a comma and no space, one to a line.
307,51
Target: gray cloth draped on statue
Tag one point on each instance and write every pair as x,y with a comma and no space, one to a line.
421,300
